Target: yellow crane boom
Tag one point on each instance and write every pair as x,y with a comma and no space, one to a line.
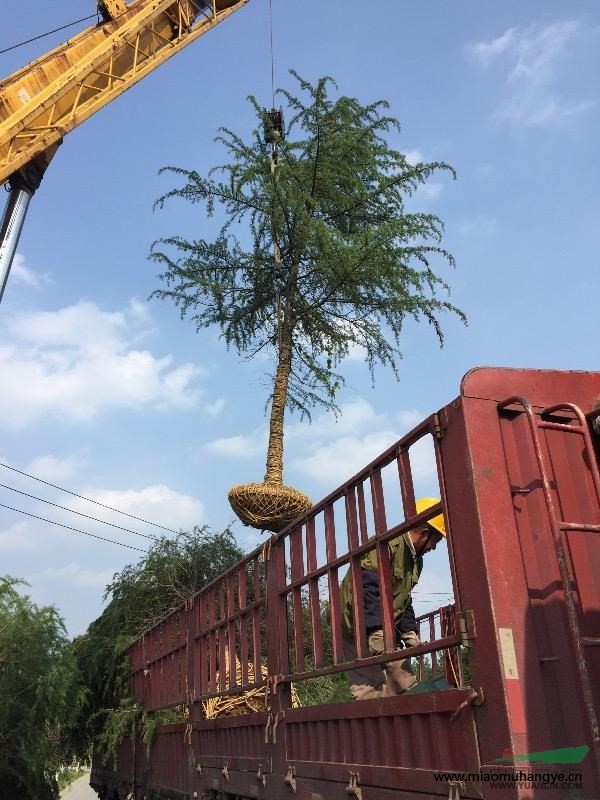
48,98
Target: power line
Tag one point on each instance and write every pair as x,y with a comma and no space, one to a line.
69,528
48,33
72,511
88,499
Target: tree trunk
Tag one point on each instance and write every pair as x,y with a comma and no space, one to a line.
274,473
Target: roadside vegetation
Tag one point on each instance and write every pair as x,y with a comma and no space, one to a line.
59,697
41,696
69,775
138,596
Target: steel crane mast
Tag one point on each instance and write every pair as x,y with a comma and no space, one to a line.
48,98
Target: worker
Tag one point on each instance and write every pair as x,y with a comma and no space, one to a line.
406,562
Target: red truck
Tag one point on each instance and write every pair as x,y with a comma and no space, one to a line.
515,459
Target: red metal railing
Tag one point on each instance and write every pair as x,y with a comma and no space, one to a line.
436,625
178,660
265,620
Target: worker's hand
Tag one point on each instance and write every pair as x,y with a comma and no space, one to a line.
410,638
376,645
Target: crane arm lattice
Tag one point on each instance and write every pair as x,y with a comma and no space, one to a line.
47,99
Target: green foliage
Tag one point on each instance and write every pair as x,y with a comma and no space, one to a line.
332,688
355,263
68,776
171,571
154,720
142,593
40,696
117,724
324,689
130,720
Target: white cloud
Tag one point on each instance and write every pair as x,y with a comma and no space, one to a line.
79,326
157,503
51,468
17,536
413,157
423,466
20,273
352,417
338,461
430,191
479,226
80,361
537,50
333,449
214,409
532,57
525,110
356,352
48,544
520,110
75,575
239,446
409,419
485,52
140,310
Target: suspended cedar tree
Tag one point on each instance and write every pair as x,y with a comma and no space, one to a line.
354,264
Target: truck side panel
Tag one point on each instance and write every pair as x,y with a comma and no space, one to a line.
519,486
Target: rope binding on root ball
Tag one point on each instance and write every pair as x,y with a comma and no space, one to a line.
268,506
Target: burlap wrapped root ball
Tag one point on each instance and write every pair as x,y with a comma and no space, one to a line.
267,506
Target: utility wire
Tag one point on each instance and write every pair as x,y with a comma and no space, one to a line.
72,511
88,499
48,33
69,528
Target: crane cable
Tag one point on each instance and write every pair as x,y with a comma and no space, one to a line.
274,159
48,33
276,251
272,51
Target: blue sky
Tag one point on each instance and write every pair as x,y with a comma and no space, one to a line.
117,399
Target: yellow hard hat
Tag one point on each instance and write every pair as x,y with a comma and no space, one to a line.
439,523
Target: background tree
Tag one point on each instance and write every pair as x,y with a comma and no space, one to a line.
139,595
40,696
352,264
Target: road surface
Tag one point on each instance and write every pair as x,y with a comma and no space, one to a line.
79,790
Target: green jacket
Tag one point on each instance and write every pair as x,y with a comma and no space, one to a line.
405,571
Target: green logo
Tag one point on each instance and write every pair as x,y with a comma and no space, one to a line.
564,755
